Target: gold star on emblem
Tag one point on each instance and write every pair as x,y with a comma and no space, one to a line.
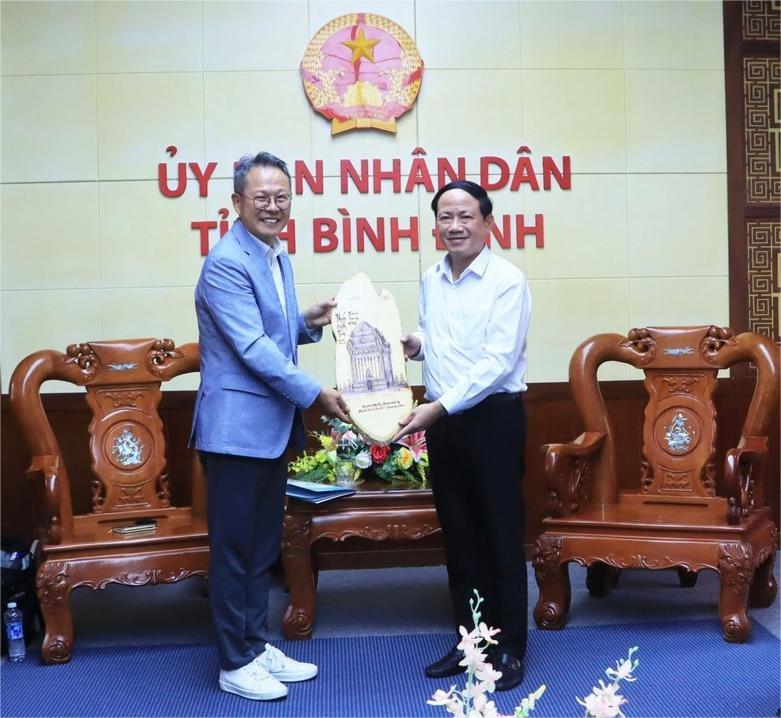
361,47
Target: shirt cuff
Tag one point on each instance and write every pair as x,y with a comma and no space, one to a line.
421,355
450,402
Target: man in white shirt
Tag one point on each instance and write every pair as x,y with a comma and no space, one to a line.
474,317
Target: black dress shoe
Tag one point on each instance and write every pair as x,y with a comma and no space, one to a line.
447,665
511,668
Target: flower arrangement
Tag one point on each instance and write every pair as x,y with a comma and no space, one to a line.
472,702
405,460
605,701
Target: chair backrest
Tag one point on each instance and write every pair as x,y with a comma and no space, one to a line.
127,445
681,366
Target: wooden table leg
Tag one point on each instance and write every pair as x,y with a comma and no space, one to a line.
297,565
735,571
552,574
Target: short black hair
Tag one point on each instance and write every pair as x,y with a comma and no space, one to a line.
486,206
247,162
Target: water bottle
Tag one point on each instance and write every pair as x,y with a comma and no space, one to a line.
15,632
344,468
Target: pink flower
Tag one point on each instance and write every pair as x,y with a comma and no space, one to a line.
603,702
416,443
487,676
486,633
440,697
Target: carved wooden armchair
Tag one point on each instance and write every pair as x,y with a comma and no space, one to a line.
675,517
128,478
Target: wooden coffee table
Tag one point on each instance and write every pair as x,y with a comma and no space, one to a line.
378,512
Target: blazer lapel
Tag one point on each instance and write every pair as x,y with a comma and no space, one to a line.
252,248
290,301
258,257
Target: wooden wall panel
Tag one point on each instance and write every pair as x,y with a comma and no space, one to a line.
752,71
552,417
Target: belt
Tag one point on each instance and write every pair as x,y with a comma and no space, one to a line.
502,397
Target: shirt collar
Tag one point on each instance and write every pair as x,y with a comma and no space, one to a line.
478,266
273,250
268,252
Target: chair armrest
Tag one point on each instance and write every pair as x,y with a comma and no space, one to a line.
741,476
47,470
567,471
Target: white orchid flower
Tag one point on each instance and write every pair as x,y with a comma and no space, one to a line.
623,670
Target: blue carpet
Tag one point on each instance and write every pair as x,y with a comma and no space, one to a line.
685,670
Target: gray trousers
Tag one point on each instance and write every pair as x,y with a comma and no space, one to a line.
246,499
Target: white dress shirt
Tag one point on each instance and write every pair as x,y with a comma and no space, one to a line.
473,331
272,253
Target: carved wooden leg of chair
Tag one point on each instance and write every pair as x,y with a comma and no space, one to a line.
53,588
735,573
297,564
686,578
553,581
600,578
763,586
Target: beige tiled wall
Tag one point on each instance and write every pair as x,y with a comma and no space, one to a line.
94,92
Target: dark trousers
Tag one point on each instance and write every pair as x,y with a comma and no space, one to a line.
477,463
246,498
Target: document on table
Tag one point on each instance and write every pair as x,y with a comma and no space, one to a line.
315,493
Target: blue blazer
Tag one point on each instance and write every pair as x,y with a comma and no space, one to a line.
251,387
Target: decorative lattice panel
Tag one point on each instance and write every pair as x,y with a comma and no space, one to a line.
764,277
762,96
762,20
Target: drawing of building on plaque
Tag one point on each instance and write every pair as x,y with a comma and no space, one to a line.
369,358
371,367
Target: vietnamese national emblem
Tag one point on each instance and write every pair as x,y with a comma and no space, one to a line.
361,71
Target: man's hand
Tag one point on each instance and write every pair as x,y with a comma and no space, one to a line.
411,344
422,416
332,403
319,314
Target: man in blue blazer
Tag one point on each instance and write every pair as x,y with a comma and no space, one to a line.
247,413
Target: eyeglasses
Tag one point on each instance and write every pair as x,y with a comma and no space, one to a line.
261,201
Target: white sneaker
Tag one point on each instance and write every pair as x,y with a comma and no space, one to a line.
282,668
252,681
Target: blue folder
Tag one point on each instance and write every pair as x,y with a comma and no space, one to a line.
316,493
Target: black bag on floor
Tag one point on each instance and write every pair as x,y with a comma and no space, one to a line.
17,576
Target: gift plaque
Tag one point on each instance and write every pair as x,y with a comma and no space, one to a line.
370,371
